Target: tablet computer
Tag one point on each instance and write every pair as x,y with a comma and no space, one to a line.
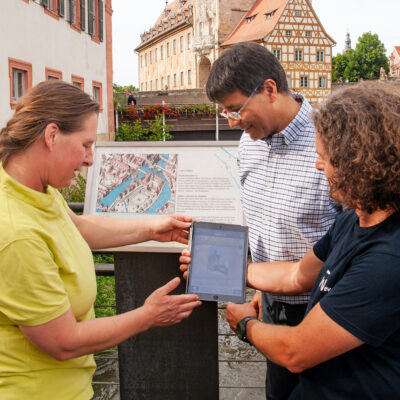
219,261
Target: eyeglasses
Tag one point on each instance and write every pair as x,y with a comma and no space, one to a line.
235,115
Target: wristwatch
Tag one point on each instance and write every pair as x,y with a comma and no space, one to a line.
241,328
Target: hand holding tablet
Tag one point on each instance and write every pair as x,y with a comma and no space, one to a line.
218,267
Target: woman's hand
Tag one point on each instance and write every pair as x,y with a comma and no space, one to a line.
185,260
170,228
236,312
170,309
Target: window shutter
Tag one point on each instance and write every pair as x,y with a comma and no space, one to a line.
61,8
83,11
45,3
91,19
101,20
72,11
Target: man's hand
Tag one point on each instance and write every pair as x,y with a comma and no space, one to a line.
236,312
171,228
256,303
185,260
170,309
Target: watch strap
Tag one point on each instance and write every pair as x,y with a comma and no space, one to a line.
241,328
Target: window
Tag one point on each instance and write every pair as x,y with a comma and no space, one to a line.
100,19
155,55
201,28
288,81
288,33
151,85
182,79
162,52
72,12
150,57
91,18
54,8
162,83
298,55
82,6
249,19
98,93
78,82
20,74
298,13
304,81
53,74
95,19
188,40
168,82
174,46
156,84
269,15
145,59
189,76
182,44
174,80
308,33
211,26
320,56
277,53
322,82
167,49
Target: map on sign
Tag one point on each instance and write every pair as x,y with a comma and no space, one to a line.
137,183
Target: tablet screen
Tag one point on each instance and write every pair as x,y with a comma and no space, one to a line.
219,262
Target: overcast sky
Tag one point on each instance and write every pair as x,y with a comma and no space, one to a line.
132,17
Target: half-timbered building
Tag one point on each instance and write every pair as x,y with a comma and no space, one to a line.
292,31
289,28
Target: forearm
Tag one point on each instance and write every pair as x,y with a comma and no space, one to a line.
102,333
102,232
285,277
274,277
279,343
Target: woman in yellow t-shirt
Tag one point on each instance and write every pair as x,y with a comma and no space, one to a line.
47,288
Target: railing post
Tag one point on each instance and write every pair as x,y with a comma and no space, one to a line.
216,123
163,120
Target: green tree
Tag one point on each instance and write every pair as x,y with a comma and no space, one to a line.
363,62
122,89
137,132
370,54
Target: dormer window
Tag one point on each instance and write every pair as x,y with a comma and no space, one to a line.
249,19
298,13
269,15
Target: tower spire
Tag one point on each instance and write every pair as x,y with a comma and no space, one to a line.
347,43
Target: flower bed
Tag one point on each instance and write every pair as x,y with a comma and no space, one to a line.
170,111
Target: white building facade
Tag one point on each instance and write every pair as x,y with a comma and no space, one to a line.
57,39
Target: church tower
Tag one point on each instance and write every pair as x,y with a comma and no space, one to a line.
347,43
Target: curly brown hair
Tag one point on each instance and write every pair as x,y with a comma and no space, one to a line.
359,128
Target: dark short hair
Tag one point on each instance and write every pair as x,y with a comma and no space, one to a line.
360,131
243,67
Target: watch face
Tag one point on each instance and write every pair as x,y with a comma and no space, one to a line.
241,330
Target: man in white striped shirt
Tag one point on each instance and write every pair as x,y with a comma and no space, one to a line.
285,198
